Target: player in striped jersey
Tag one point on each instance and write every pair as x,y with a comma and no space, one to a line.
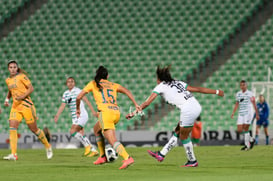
178,93
77,128
244,99
20,88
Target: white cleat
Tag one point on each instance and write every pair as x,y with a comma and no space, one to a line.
11,157
49,153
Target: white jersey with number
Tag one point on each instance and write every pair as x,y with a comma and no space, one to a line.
174,93
69,97
244,99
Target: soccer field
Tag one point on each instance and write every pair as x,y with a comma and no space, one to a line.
215,163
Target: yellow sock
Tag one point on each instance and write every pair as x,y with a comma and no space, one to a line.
13,140
101,145
41,135
119,148
87,149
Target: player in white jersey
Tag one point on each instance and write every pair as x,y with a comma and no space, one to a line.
77,128
244,99
178,93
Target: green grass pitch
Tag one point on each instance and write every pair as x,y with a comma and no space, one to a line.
215,163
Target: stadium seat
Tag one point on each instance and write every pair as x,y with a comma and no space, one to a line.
9,7
72,38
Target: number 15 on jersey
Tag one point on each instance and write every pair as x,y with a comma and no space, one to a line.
107,96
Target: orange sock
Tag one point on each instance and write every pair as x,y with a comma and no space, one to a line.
101,145
13,138
41,135
119,148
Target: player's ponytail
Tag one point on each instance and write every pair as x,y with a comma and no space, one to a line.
163,74
22,71
19,70
101,73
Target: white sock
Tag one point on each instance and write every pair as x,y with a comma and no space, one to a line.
88,142
247,139
79,137
189,150
251,138
93,148
168,147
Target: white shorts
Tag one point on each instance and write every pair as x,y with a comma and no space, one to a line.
81,121
245,119
189,112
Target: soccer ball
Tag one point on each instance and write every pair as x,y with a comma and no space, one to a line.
111,155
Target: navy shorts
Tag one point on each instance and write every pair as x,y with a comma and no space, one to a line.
263,123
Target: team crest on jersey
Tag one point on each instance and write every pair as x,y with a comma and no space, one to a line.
69,100
12,86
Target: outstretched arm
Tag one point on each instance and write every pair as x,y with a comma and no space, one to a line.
235,108
143,105
205,90
129,94
148,101
90,106
78,102
60,110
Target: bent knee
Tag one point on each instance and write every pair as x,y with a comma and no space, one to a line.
34,130
183,136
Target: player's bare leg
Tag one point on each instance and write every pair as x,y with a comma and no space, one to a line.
239,128
41,135
266,135
257,134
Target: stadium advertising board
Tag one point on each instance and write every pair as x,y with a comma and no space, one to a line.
129,138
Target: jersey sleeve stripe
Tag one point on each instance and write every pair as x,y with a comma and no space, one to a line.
156,92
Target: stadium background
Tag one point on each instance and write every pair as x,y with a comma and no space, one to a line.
211,43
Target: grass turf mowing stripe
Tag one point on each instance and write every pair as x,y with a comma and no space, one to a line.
215,163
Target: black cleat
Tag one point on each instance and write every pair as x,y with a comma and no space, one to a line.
244,148
252,143
191,164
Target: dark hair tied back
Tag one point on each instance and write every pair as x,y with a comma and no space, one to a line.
163,74
101,73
